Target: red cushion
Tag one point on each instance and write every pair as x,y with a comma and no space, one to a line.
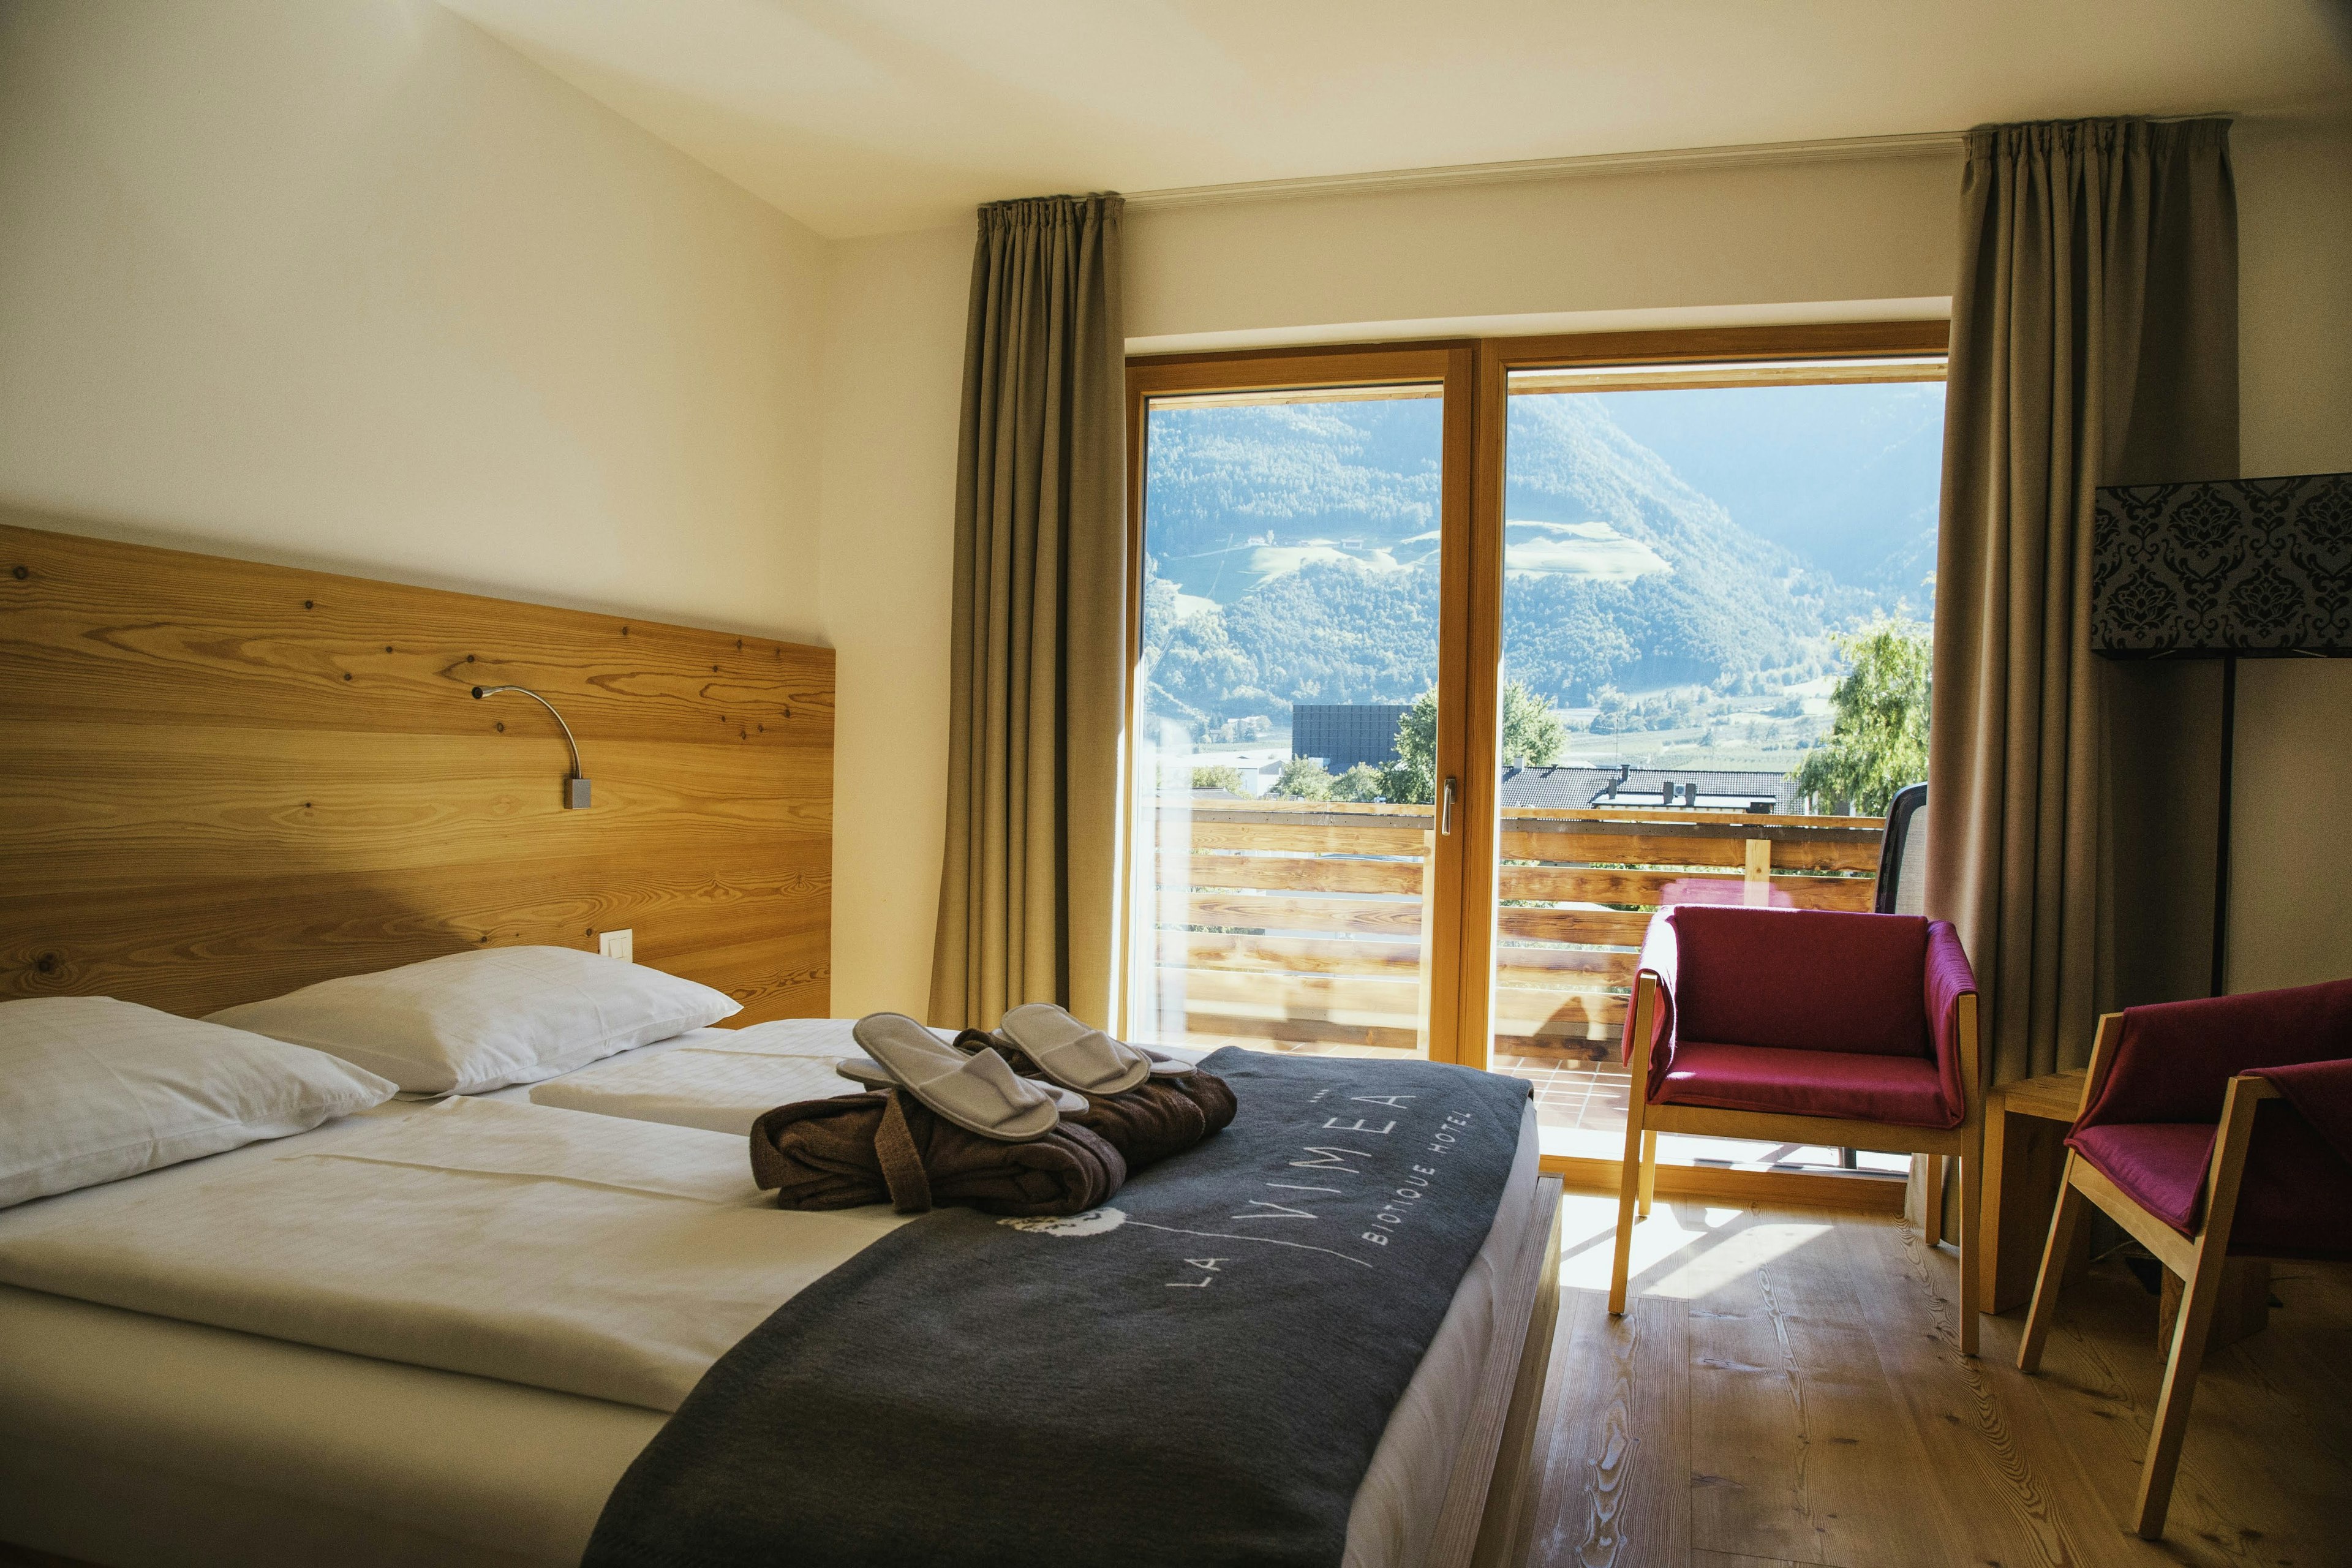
2160,1165
1817,980
2294,1200
1905,1092
2174,1059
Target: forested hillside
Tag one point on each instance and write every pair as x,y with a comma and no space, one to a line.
1293,557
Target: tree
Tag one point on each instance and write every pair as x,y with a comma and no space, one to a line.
1302,778
1219,777
1361,782
1877,741
1413,777
1532,737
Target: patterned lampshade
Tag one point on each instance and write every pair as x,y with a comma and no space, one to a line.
2250,567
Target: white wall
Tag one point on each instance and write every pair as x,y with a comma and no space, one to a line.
1718,244
894,361
355,286
2290,872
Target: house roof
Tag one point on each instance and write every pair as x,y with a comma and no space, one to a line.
1718,788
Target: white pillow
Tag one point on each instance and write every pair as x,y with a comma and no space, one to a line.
93,1090
477,1021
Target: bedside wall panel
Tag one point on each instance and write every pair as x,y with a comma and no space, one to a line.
220,780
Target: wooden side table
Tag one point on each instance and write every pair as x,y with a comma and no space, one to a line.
2025,1158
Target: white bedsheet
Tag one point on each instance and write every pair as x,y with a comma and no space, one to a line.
584,1254
458,1237
719,1079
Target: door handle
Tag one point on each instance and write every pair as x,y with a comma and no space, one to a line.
1446,813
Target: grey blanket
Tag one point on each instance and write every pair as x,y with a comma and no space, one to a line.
1196,1373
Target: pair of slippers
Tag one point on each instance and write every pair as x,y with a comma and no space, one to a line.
968,1083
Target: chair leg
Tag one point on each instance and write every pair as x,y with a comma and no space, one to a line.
1971,1214
1641,1011
1931,1200
2191,1330
1629,1184
1648,1173
2194,1325
2054,1253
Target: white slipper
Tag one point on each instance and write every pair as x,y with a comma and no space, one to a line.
1073,1053
977,1093
867,1074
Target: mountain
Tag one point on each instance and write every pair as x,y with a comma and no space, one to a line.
1846,476
1293,556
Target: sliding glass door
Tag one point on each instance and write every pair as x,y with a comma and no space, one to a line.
1293,883
1454,663
1718,579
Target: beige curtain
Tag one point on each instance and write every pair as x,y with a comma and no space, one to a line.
2094,341
1028,890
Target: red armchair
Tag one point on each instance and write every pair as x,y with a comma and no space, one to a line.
2209,1130
1807,1027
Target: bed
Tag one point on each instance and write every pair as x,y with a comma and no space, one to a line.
145,1437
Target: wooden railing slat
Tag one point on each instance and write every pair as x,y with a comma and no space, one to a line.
1370,1002
1315,874
1347,970
1280,954
1341,955
1610,927
1587,884
1278,911
1305,839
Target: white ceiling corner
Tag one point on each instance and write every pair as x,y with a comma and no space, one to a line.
864,117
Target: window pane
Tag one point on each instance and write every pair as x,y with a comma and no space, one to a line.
1718,591
1289,637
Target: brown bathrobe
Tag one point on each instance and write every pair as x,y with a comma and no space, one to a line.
1157,1117
888,1147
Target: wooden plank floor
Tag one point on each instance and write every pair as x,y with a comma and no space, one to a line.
1786,1388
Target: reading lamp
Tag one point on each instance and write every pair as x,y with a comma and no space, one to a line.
2228,569
576,788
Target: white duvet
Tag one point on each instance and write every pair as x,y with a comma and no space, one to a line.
588,1254
721,1080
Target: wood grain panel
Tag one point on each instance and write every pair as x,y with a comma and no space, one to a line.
1303,874
1394,1003
1596,885
225,780
1300,838
1277,954
1275,912
1611,928
1341,956
94,630
1809,849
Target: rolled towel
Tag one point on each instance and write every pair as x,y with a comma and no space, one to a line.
885,1147
1157,1117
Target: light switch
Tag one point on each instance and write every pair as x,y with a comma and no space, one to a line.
620,944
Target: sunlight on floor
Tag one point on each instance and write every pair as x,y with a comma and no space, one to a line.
1683,1250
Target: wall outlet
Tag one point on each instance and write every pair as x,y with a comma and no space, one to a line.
620,944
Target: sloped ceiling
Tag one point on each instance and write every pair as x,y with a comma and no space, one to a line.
869,116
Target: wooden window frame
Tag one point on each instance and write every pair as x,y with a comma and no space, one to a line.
1474,373
1449,365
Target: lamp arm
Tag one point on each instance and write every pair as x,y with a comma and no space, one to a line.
577,771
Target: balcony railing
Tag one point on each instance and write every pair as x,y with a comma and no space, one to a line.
1302,923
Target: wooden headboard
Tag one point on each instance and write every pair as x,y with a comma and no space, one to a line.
219,781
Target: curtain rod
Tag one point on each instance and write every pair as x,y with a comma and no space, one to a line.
1750,154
